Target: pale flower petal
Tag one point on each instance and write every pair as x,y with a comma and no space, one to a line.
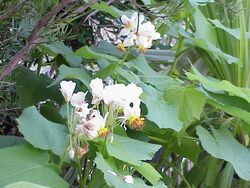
97,88
128,179
71,153
77,99
67,89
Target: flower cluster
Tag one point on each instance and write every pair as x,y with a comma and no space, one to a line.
137,32
111,104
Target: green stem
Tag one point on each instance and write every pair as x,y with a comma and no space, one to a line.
124,57
179,173
178,53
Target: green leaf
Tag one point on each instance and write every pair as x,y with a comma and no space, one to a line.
32,88
24,163
73,73
165,115
191,103
107,71
234,32
130,150
97,180
224,146
8,141
42,133
86,53
217,86
23,184
187,148
226,176
209,47
104,7
204,29
106,166
58,47
233,105
148,171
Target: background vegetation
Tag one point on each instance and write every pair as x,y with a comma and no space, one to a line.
196,92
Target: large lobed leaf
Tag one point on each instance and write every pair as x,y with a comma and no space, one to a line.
24,163
42,133
107,167
224,146
130,150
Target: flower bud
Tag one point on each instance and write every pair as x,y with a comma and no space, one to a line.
82,150
71,153
128,179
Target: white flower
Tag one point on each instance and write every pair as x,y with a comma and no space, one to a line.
77,99
128,179
71,153
114,95
148,30
144,41
97,88
131,111
133,92
130,40
81,107
82,111
95,122
67,89
130,24
79,129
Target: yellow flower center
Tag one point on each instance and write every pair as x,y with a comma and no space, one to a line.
103,132
136,122
121,47
142,49
129,25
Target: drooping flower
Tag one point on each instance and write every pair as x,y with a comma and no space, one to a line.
132,114
94,124
67,89
77,99
114,95
81,107
82,150
97,88
128,179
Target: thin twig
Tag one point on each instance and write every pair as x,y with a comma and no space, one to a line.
11,10
33,38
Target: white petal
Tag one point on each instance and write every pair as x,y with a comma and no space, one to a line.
125,19
67,89
77,99
124,32
97,88
128,179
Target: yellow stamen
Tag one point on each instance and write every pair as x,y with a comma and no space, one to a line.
103,132
121,47
136,122
129,25
142,49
